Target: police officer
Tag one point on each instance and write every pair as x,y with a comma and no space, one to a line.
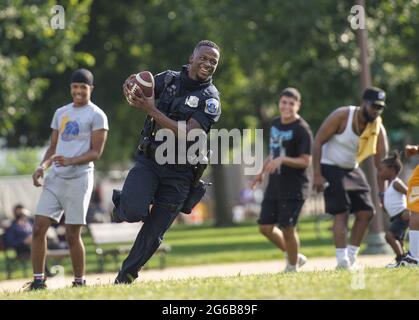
182,101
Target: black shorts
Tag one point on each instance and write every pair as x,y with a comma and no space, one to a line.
398,227
348,190
283,212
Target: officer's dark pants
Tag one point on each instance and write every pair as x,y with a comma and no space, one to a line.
166,188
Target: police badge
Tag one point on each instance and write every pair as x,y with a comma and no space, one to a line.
192,101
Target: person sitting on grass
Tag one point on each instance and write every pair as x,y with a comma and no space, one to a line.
395,205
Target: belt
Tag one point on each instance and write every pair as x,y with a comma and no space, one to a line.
150,153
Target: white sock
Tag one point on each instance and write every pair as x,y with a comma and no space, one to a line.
77,279
38,276
414,243
291,267
352,252
342,254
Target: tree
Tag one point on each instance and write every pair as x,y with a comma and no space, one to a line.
31,51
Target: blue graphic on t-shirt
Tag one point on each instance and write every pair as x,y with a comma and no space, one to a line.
276,142
71,131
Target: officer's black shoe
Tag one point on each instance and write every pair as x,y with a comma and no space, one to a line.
124,279
35,285
77,284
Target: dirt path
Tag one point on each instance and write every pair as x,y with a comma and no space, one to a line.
222,270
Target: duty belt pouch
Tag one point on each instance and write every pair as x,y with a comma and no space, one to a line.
195,195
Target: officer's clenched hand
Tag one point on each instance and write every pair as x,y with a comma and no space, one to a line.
140,102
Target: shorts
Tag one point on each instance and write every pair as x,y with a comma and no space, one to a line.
413,191
283,212
398,227
66,196
348,190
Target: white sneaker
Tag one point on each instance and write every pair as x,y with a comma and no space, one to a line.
302,260
343,265
393,265
352,260
290,268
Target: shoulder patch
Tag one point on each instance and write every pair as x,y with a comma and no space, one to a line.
212,106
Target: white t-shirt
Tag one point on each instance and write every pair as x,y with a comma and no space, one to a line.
75,126
394,201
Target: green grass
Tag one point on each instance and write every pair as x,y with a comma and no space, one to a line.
197,245
378,284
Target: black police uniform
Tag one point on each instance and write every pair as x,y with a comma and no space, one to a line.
166,186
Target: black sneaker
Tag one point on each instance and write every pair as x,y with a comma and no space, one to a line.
124,279
409,261
396,263
35,285
76,284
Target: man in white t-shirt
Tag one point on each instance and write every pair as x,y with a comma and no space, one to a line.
79,132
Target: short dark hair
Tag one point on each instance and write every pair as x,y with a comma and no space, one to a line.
393,161
207,43
82,75
18,206
291,92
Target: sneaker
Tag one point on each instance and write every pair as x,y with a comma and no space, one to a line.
76,284
396,263
124,278
302,260
409,261
352,260
343,265
289,268
35,285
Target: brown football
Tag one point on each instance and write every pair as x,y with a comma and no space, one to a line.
143,82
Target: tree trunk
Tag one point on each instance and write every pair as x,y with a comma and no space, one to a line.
223,207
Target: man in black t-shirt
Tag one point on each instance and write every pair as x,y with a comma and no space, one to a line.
290,155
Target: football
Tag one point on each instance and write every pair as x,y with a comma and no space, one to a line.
142,82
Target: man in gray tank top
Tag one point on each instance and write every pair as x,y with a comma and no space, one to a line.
337,173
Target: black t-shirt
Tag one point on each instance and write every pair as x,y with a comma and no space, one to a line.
291,140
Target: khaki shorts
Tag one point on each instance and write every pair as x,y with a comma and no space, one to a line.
413,191
66,196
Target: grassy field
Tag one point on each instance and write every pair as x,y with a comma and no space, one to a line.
195,245
369,284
